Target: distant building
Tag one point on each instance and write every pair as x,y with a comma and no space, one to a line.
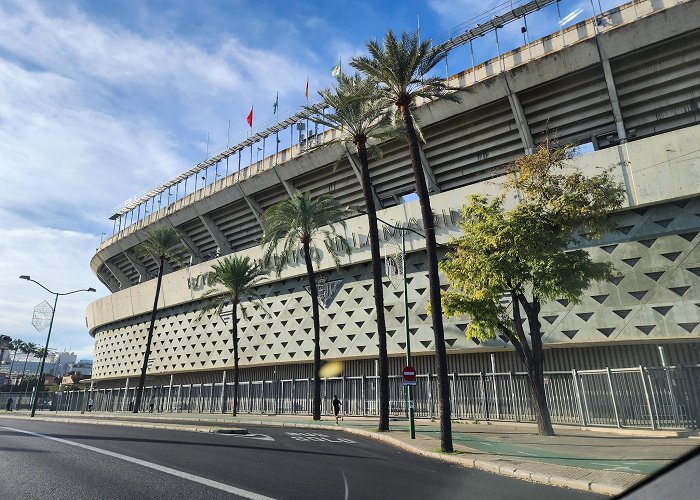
62,362
83,367
71,379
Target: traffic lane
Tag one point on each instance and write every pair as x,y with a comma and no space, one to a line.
401,474
32,467
304,464
195,453
252,464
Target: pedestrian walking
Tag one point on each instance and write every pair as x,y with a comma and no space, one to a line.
336,409
90,403
8,405
151,404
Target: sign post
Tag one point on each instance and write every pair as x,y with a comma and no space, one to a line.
409,380
409,375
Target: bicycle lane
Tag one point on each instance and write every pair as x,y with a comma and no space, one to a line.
544,452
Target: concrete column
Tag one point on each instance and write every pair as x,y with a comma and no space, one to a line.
521,123
118,274
614,101
126,394
358,174
430,179
223,392
141,269
254,207
222,243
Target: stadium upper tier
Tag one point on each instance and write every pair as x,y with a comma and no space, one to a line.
630,73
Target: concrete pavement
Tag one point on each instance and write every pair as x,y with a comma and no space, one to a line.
601,462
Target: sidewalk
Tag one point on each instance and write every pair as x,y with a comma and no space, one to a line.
601,462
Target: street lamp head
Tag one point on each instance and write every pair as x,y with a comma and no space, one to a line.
91,289
24,277
355,208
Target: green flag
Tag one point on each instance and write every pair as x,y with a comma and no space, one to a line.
276,104
335,70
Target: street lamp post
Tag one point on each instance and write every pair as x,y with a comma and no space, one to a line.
48,336
403,230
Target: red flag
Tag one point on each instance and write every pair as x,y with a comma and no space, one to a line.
250,117
307,88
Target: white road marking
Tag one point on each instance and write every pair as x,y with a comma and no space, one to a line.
484,442
167,470
618,468
314,436
259,437
528,454
347,490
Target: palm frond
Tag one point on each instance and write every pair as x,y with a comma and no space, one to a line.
400,66
161,242
299,219
239,276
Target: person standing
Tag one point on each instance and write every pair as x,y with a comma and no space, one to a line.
90,403
151,404
336,408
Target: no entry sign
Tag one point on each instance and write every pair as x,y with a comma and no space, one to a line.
409,374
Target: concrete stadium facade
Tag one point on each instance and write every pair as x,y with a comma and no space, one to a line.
628,85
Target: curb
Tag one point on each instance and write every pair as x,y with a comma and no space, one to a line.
508,471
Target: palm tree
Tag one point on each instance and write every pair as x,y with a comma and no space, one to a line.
14,346
356,107
239,276
27,348
39,353
400,67
295,223
160,244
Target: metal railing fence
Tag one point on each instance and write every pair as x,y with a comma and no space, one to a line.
653,397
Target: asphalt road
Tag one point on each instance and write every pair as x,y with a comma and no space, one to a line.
46,460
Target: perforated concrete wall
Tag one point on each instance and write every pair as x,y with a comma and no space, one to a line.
654,297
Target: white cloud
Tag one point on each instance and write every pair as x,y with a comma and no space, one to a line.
91,114
57,259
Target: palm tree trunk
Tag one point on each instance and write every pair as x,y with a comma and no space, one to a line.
24,367
316,403
234,334
147,354
378,288
434,280
12,364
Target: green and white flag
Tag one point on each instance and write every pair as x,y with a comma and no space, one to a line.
335,70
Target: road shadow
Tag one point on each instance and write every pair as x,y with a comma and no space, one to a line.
154,441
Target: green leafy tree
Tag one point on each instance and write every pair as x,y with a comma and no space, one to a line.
527,254
356,108
297,224
400,67
160,244
239,276
27,348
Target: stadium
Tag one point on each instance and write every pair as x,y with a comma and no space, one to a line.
623,85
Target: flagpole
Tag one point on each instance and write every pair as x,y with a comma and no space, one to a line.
306,139
277,133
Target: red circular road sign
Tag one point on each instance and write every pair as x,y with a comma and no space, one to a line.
409,373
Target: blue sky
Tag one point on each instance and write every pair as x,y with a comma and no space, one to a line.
101,100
